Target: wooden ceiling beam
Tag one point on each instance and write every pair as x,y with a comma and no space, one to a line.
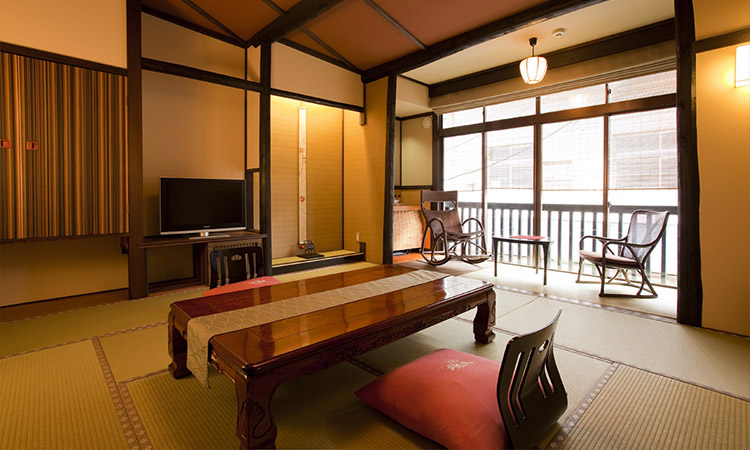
238,40
297,16
501,27
640,37
395,23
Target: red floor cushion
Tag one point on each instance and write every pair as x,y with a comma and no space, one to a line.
447,396
242,285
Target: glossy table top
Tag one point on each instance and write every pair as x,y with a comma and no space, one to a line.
269,345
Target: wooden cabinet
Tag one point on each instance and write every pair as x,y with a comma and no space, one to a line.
63,165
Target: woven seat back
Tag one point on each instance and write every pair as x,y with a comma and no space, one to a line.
646,228
446,209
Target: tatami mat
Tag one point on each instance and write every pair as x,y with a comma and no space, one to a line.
692,354
30,334
58,390
457,267
563,284
317,411
137,353
640,410
58,399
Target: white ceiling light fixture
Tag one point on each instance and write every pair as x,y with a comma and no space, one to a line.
533,68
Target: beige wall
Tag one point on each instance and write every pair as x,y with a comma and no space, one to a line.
190,129
416,152
411,98
410,196
165,41
364,173
41,270
294,71
723,119
93,30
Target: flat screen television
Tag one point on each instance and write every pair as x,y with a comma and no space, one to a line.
201,205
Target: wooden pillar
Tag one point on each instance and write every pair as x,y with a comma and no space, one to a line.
390,138
265,154
689,283
437,153
137,281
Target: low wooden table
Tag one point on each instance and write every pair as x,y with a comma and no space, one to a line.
540,241
259,358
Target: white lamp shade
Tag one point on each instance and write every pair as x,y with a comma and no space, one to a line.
742,66
533,69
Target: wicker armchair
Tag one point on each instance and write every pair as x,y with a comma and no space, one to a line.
449,237
630,252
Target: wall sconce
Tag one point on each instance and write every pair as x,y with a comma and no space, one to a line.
742,66
533,68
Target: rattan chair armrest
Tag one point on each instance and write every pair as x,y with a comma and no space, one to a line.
481,227
601,239
629,245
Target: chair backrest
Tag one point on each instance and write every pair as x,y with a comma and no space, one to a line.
446,209
530,392
646,228
235,264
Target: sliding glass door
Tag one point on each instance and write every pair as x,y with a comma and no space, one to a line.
569,164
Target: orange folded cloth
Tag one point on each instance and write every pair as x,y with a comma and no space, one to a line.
242,285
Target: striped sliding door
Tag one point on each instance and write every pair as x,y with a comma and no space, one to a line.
65,173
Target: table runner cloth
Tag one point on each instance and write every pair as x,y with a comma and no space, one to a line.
201,329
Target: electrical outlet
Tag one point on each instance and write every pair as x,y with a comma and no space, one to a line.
357,236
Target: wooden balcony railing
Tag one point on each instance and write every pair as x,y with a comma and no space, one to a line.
566,224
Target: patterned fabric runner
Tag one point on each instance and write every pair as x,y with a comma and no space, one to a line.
201,329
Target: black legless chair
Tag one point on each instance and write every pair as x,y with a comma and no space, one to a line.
530,391
449,237
626,253
235,264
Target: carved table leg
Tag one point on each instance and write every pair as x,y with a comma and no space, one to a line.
177,347
255,425
485,320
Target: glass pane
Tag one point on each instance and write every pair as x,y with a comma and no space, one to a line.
643,174
466,117
577,98
509,110
641,87
572,181
510,189
463,167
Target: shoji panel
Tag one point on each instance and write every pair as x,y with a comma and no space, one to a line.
65,173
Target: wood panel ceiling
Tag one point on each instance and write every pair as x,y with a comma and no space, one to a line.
371,37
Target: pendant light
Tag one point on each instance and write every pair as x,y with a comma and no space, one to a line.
533,68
